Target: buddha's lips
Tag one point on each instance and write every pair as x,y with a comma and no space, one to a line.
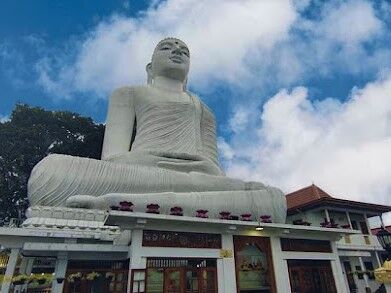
176,59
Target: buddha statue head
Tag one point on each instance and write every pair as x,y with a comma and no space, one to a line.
170,59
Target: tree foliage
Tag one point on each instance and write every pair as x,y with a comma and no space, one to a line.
31,134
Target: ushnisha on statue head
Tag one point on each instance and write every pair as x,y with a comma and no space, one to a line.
170,59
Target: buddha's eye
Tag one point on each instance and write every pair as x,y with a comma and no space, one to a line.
185,53
165,48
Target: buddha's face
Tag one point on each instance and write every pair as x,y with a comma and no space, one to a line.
171,59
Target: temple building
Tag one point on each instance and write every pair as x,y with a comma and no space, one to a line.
324,246
359,253
157,214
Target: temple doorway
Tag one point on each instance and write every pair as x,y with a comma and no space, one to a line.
254,266
309,276
176,276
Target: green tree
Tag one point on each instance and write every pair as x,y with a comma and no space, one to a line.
31,134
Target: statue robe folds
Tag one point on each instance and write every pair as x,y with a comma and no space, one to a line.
172,162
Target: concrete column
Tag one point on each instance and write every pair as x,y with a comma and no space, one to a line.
366,280
367,223
29,266
379,264
9,272
60,271
338,276
280,265
326,212
23,265
28,270
381,221
137,261
349,220
226,273
337,270
22,270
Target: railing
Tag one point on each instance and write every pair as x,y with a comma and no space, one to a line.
359,239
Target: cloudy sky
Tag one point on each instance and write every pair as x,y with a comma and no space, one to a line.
301,89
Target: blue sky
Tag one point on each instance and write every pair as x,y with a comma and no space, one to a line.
301,89
30,30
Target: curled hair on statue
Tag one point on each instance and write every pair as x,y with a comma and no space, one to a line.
164,40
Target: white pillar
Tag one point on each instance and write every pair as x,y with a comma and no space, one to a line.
366,280
349,220
337,270
381,221
280,266
338,276
326,212
367,223
220,275
9,272
60,271
378,259
28,270
137,261
22,270
226,273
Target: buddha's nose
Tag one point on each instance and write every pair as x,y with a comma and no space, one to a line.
177,50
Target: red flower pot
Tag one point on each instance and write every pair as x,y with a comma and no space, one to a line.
153,208
265,217
245,217
176,211
126,206
224,215
202,214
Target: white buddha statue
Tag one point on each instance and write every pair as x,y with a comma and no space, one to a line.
159,146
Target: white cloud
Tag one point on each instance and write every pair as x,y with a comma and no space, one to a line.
4,118
247,44
342,147
350,22
12,65
345,37
240,119
225,149
221,34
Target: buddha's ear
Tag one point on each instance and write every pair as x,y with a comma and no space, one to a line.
148,68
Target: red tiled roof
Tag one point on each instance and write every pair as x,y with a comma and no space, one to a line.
305,195
314,197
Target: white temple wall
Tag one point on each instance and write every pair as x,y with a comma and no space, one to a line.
280,266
